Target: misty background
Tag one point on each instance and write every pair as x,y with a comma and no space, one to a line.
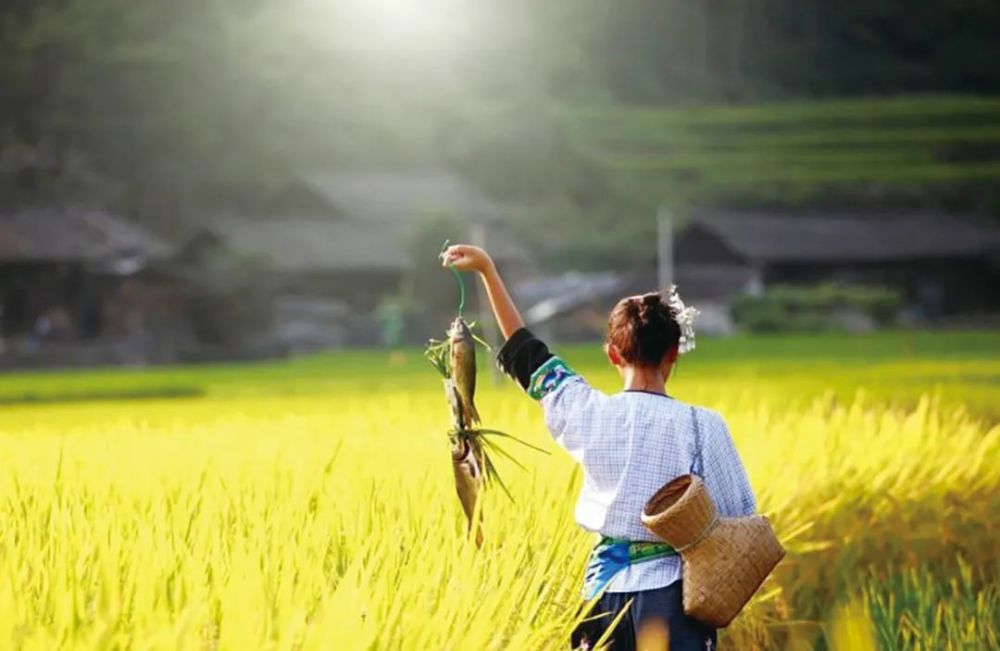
220,179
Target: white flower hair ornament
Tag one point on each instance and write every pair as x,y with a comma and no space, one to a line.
684,316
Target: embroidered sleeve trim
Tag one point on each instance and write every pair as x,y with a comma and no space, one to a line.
549,377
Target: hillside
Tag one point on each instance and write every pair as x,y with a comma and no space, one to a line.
872,154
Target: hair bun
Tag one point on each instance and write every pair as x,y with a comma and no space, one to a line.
642,329
633,308
651,307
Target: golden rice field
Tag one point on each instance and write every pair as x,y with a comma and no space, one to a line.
309,505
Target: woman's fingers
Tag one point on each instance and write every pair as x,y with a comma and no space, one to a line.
458,255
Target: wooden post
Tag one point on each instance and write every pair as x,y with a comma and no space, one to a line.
665,247
484,316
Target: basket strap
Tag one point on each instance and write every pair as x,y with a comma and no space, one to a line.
697,467
701,536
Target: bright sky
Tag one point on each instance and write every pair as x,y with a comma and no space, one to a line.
404,25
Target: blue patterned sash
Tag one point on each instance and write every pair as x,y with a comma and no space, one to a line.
613,555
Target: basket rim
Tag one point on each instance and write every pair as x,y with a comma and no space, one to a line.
667,497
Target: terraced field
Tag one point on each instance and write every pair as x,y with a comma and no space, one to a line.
918,152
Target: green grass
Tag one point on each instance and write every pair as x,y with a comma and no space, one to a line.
961,366
653,140
896,110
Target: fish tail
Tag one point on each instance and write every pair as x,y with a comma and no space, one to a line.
466,480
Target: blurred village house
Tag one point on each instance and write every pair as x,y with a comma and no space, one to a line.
941,267
348,259
939,264
330,262
351,258
72,289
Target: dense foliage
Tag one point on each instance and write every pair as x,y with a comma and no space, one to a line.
166,110
826,307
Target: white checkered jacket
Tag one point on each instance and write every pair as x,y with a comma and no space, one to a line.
629,444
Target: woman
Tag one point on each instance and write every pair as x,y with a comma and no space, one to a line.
629,445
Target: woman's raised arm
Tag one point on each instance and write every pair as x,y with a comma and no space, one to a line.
472,258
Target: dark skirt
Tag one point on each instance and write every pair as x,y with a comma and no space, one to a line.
652,613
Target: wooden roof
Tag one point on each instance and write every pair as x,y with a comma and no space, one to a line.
75,235
785,238
302,245
363,221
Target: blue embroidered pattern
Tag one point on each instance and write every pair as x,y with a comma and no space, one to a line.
549,377
613,555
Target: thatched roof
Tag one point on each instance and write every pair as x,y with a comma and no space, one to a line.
370,221
308,244
780,238
401,196
76,235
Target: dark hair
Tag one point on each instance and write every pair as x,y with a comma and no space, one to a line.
643,329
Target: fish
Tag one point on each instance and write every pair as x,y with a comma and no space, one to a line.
468,480
463,372
454,402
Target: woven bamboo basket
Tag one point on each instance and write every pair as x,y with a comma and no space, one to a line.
725,559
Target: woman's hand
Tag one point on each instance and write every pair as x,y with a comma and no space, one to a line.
465,257
472,258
